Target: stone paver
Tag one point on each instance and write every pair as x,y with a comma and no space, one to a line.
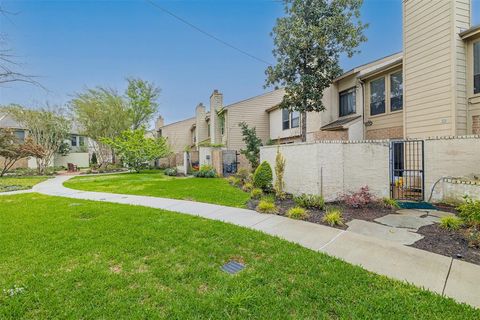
408,222
463,283
410,212
388,258
379,231
440,214
420,267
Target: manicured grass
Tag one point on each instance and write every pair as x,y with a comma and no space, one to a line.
93,260
19,183
155,183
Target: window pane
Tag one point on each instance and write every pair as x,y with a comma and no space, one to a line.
81,141
396,91
377,96
295,119
73,140
347,102
20,134
476,67
285,119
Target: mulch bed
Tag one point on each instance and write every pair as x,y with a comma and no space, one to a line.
437,240
448,243
369,213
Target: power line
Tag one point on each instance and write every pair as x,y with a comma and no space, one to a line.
206,33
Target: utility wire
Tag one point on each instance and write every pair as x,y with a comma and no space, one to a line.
154,4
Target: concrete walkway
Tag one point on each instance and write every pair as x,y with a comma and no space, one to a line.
453,278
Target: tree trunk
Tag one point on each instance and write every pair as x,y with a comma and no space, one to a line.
303,119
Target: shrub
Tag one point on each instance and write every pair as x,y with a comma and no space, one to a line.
279,172
247,187
473,237
297,213
231,180
266,206
243,174
390,203
205,171
256,193
333,217
470,211
262,178
451,223
171,172
309,201
359,199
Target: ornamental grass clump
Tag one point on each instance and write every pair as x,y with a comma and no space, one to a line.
247,187
279,172
256,193
333,217
390,203
266,206
309,201
297,213
205,171
451,223
262,178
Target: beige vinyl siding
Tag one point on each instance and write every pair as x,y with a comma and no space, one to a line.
428,68
253,112
179,134
462,22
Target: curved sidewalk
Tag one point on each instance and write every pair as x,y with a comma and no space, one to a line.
450,277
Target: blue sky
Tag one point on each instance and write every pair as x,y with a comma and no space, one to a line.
72,45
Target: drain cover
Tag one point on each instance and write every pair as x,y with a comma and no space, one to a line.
232,267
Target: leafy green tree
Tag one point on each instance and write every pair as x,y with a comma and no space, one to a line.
47,128
101,113
136,150
309,41
252,143
142,101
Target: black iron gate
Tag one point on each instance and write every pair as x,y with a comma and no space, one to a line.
407,178
230,163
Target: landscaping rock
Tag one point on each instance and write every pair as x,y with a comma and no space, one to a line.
399,235
408,222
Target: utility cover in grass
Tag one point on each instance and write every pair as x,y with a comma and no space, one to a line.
232,267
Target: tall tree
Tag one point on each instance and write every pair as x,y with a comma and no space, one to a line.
309,41
142,101
47,128
101,113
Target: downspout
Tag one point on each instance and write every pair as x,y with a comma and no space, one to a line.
362,84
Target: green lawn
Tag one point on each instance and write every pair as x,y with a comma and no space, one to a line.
155,183
90,260
19,183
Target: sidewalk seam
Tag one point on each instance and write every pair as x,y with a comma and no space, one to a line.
332,240
446,279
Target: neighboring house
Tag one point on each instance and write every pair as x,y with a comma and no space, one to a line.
220,125
432,88
79,146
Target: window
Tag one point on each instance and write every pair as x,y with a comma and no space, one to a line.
73,140
347,102
208,134
285,119
396,91
222,125
20,134
81,141
476,67
295,122
377,96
